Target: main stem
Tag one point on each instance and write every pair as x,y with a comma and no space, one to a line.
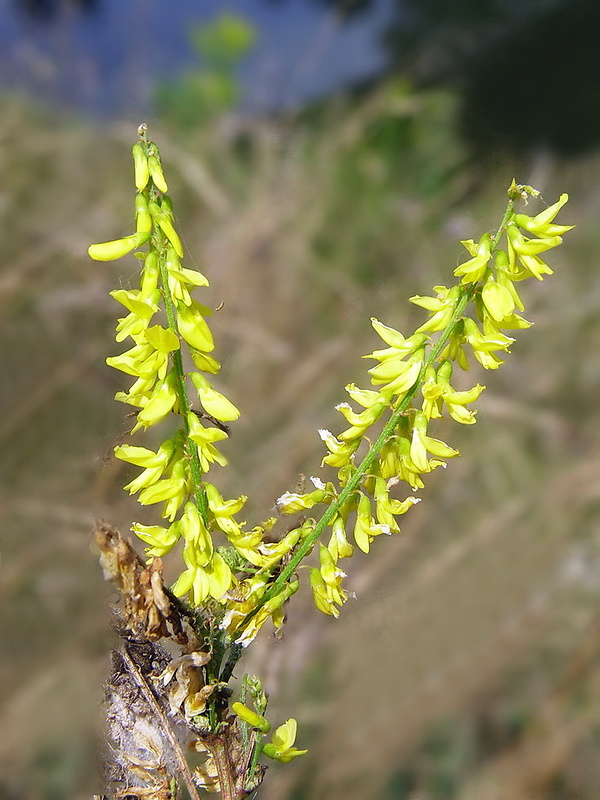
199,491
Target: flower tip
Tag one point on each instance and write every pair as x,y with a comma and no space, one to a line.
286,497
342,405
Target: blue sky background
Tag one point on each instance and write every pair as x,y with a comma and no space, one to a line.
108,61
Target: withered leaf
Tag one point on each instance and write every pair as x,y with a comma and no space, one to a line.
148,610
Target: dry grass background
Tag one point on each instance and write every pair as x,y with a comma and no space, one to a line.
469,666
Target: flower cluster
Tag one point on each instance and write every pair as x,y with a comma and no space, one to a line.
281,747
412,384
387,443
413,380
161,317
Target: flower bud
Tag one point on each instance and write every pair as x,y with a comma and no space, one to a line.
213,402
497,299
140,166
157,174
143,220
109,251
194,328
251,717
163,220
150,275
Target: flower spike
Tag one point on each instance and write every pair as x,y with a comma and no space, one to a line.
412,381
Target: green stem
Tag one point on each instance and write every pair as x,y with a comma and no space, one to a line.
199,491
256,751
160,243
466,296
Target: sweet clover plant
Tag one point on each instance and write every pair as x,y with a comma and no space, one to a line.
164,702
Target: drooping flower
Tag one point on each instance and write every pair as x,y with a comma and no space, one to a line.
281,747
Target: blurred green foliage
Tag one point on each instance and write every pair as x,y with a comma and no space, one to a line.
200,94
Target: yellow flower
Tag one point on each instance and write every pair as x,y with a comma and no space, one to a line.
193,327
271,609
251,717
432,390
361,421
273,552
242,600
140,163
474,269
180,278
160,403
281,746
326,584
319,590
212,579
527,251
365,527
224,510
143,220
441,307
294,502
138,360
497,298
162,339
149,291
421,444
340,453
439,389
339,546
154,463
161,540
213,402
141,313
397,374
540,225
164,220
156,172
386,508
455,350
109,251
398,345
173,490
485,345
196,536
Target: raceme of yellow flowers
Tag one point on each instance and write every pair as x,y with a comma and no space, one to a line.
411,384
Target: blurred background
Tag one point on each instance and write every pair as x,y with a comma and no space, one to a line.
325,157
